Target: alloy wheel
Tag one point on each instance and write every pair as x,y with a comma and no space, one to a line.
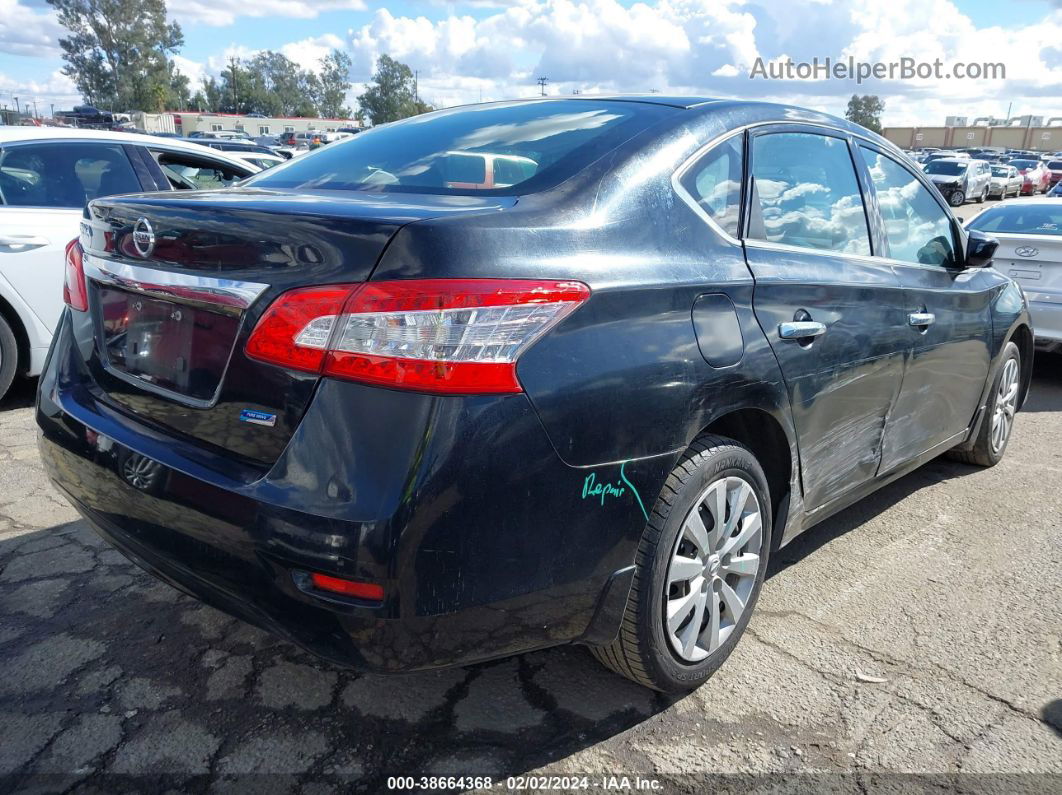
1006,405
713,567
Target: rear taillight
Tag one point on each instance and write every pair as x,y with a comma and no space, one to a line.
75,295
451,336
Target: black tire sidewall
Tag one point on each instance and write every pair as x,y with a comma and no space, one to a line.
664,666
8,357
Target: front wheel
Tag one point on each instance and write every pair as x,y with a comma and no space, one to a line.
699,568
957,198
998,422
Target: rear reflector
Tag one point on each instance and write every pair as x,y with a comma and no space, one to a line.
447,336
358,590
75,294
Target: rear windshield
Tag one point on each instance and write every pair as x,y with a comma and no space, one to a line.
1055,165
1026,219
525,145
1023,163
999,171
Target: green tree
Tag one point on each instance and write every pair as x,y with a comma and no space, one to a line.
866,110
391,95
118,51
334,84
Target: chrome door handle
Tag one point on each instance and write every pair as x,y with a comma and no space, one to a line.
801,329
921,319
23,241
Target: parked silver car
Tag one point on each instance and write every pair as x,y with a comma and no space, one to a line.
1006,181
1030,251
959,179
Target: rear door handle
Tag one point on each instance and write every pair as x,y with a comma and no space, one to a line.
801,329
921,319
23,241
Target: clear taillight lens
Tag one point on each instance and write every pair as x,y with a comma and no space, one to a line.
452,336
75,293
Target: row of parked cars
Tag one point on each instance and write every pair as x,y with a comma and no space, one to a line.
965,175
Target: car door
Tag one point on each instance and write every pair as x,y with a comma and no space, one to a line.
45,185
947,309
834,315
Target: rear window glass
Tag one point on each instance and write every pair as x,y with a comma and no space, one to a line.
530,145
1055,165
1025,219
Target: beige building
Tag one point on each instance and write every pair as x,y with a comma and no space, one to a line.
1041,138
185,123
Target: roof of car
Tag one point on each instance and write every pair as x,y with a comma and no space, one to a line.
13,134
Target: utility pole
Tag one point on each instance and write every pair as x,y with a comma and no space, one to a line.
542,85
235,94
18,109
35,109
53,110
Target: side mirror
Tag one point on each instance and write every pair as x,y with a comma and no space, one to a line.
980,248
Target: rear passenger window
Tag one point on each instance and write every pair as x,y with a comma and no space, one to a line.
715,183
64,174
916,226
805,193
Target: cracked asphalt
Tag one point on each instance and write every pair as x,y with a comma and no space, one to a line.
917,633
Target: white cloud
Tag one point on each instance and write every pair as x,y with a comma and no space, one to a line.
24,31
218,13
708,47
57,89
308,53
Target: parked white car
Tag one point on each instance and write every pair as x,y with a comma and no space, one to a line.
47,175
1006,181
959,178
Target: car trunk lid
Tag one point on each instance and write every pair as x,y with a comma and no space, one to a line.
177,283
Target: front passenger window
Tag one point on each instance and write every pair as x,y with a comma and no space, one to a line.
805,193
916,226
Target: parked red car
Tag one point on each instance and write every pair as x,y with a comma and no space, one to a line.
1035,176
1054,168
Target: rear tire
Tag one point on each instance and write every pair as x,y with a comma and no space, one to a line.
8,356
704,575
998,422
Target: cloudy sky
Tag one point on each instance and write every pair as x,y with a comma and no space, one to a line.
495,49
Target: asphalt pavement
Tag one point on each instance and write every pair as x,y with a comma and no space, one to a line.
911,641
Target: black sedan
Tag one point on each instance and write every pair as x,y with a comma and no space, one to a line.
503,377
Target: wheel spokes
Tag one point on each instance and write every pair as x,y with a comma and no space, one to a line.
750,526
742,565
684,569
733,602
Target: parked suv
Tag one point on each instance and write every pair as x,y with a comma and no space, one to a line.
407,424
960,179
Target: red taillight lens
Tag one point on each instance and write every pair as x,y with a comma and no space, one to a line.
75,294
449,336
295,330
359,590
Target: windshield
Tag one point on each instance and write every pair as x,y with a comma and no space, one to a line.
999,171
1023,163
943,167
527,145
1025,219
1055,165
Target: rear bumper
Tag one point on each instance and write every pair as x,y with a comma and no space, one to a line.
1046,319
459,507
